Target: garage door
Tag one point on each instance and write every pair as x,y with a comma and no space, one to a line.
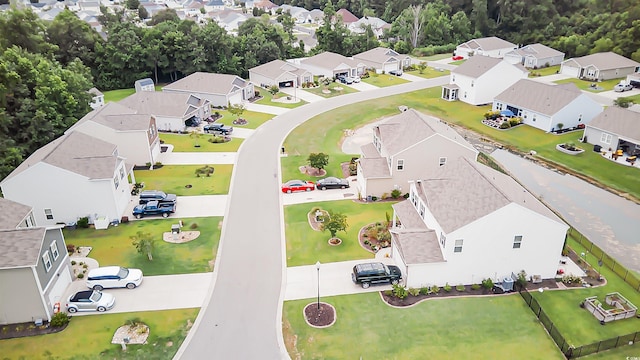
570,71
390,67
60,286
236,98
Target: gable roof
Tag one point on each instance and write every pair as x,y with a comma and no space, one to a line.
208,83
163,104
464,191
605,61
538,51
275,68
539,97
20,247
145,82
76,152
487,44
619,121
347,16
476,66
329,60
379,55
410,127
264,4
12,213
94,91
116,116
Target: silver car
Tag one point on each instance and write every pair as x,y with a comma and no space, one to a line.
90,300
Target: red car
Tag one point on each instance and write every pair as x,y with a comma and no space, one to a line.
297,185
457,57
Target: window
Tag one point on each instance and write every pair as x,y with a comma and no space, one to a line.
46,260
122,173
443,240
48,214
443,160
116,181
472,82
453,78
517,241
605,138
400,164
54,250
458,246
422,210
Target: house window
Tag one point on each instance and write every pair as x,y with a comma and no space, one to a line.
442,161
443,240
116,181
458,246
422,211
605,138
122,173
400,164
472,83
453,78
46,260
54,250
48,214
517,241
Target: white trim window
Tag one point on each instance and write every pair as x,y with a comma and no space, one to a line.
54,250
442,161
422,210
457,248
116,181
122,172
400,164
517,241
606,138
48,214
46,260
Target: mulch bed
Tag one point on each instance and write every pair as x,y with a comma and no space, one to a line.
324,317
19,330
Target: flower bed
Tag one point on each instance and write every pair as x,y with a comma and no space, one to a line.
569,149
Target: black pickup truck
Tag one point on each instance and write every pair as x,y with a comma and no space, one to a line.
154,208
218,129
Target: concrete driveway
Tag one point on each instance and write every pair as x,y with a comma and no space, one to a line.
302,94
189,206
320,195
363,86
275,110
410,77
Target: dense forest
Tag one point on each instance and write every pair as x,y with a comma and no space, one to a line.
46,68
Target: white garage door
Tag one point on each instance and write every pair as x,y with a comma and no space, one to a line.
390,66
570,71
61,283
236,98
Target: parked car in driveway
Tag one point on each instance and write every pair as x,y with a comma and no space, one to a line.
375,273
345,79
332,183
396,72
356,79
90,300
297,185
218,129
160,196
114,277
154,207
622,87
457,57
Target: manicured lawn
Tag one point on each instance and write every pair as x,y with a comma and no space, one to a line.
336,89
267,100
458,62
113,246
117,95
499,327
89,337
291,164
185,143
625,352
551,70
306,246
173,179
254,119
384,80
435,57
429,73
586,85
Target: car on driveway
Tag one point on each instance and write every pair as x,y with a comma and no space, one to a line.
622,87
90,300
356,79
114,277
345,79
396,72
375,273
218,129
332,183
160,196
297,185
457,57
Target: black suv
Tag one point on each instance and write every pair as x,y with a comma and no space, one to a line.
375,273
160,196
218,129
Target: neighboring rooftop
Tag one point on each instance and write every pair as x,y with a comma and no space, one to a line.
329,60
538,51
347,16
542,98
605,61
488,44
163,104
20,247
13,213
208,83
116,116
619,121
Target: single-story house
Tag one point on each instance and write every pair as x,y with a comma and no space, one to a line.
346,16
229,20
615,128
299,14
467,222
145,84
383,60
51,179
220,89
545,106
97,98
480,79
330,65
279,73
535,56
634,79
599,66
488,46
214,5
135,134
265,5
405,147
170,110
378,26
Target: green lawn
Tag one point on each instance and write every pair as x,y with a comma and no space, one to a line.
458,62
173,179
306,246
551,70
89,337
267,100
429,73
586,85
383,80
254,119
498,327
435,57
113,246
621,353
290,166
117,95
186,143
335,88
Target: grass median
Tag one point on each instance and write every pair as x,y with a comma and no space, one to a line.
188,142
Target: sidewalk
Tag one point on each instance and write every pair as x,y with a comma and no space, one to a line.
302,94
275,110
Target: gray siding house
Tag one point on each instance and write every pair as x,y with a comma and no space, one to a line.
615,128
535,56
600,66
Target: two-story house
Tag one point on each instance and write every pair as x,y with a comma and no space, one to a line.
406,147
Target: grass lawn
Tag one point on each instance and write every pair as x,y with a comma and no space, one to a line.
429,73
576,324
551,70
336,89
185,143
586,85
458,62
113,246
435,57
498,327
89,337
306,246
173,178
625,352
254,119
384,80
117,95
291,164
267,100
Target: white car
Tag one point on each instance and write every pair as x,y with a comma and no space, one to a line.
356,79
113,277
90,301
622,87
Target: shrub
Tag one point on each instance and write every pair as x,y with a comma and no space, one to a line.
435,289
384,196
425,290
414,291
395,193
487,283
460,287
475,286
447,287
367,242
73,262
514,121
80,276
193,226
406,196
85,266
83,222
505,125
59,319
388,292
71,248
399,291
374,198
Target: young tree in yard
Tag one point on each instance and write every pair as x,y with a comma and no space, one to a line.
422,66
318,160
337,222
237,110
274,89
144,243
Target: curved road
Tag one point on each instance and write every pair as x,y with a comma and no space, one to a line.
242,315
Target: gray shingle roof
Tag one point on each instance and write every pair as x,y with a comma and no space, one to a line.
12,213
329,60
605,61
476,66
275,68
417,243
619,121
208,83
538,51
375,168
167,104
488,44
94,91
539,97
379,55
20,247
116,116
369,151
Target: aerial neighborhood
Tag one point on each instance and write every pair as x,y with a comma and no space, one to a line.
283,204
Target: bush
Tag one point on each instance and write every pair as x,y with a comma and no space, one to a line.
59,319
388,292
83,222
396,193
505,125
425,290
406,196
514,121
447,287
400,292
80,276
435,289
73,262
460,287
414,291
434,49
475,286
193,226
71,248
374,198
487,283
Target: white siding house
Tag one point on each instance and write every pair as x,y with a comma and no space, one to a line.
279,73
535,56
383,59
330,65
220,89
489,46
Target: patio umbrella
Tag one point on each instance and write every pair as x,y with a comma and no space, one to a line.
507,113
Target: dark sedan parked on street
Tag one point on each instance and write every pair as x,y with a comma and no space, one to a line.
332,183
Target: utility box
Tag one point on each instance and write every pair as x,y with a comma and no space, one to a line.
175,231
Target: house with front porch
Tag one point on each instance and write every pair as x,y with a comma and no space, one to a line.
615,128
383,60
535,56
405,147
545,106
478,80
467,222
279,73
220,89
74,176
488,46
599,66
330,65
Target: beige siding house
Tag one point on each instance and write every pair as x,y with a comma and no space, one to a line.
615,128
170,110
220,89
600,66
330,65
383,59
406,147
535,56
279,73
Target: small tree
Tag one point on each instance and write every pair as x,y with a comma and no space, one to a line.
142,12
133,4
237,110
195,134
521,282
560,126
318,160
337,222
144,243
274,89
422,66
